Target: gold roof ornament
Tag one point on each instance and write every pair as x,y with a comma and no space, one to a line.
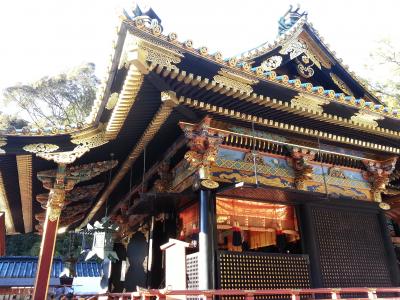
309,102
112,101
91,139
237,76
233,84
340,84
271,63
160,55
66,157
40,148
366,118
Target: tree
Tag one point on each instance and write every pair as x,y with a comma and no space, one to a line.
29,245
385,73
7,121
59,100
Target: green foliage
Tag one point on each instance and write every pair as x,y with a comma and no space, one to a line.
23,244
385,69
29,245
59,100
7,121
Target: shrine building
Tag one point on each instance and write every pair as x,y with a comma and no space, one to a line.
276,169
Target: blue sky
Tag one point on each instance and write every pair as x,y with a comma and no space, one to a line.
44,37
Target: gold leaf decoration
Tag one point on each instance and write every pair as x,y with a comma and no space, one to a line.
233,84
341,85
309,102
112,101
40,148
271,63
161,56
367,119
91,141
66,157
237,76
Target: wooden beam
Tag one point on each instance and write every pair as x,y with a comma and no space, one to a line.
5,207
170,152
2,234
169,102
24,165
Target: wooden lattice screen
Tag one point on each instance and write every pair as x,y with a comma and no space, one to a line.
351,248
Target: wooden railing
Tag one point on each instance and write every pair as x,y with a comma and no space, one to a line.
321,293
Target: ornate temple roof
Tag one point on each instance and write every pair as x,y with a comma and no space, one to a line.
154,81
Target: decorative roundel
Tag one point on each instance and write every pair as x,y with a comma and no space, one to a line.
139,23
172,36
156,30
246,66
203,51
218,56
210,184
189,44
232,62
384,206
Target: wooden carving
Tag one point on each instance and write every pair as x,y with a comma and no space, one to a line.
299,161
378,174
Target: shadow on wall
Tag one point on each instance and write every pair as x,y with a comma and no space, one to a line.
136,253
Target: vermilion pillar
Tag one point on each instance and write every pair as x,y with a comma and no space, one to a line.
2,234
57,185
45,257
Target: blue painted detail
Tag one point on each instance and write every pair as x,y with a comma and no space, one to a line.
276,162
88,269
318,170
230,154
26,266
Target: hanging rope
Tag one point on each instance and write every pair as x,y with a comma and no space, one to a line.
254,153
322,168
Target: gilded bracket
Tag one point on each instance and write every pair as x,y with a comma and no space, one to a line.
378,174
299,161
203,144
309,102
64,179
164,183
366,118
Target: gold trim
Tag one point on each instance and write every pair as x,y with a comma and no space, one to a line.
233,84
283,126
91,139
66,157
271,63
4,206
208,84
126,99
112,101
24,166
40,148
233,64
115,57
237,76
315,51
365,118
340,84
169,101
307,102
161,56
